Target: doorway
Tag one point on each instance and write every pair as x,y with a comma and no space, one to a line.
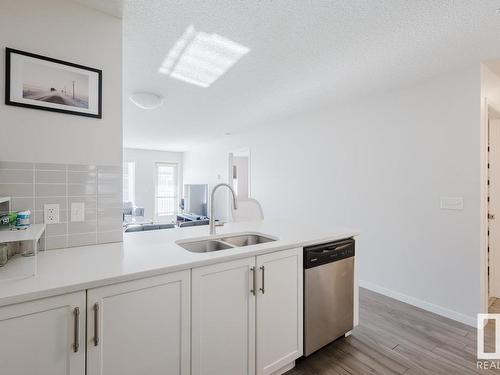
239,173
493,205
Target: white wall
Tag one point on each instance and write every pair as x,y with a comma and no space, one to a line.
145,169
380,165
71,32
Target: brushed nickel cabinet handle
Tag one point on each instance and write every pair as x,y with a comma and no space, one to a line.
263,279
254,279
96,324
76,329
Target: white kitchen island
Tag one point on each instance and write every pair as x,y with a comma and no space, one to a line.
149,306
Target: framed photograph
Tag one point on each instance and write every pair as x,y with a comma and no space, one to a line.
40,82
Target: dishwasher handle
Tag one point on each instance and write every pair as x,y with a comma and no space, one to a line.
330,249
328,252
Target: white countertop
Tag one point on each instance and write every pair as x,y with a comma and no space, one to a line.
31,233
150,253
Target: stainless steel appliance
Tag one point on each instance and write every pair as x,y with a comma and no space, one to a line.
328,293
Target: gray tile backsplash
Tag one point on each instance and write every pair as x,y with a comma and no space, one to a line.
44,190
82,239
16,165
32,185
60,229
17,190
76,190
16,176
82,227
56,242
50,177
82,177
20,204
50,167
81,167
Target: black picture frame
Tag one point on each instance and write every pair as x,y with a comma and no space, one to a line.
11,101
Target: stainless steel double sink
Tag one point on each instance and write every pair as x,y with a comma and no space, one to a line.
224,242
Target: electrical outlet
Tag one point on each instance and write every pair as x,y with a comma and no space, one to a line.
51,213
77,211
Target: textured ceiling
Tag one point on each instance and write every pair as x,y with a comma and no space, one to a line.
303,53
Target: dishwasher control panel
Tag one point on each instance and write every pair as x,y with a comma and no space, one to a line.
328,252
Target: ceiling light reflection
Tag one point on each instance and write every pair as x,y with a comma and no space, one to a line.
200,58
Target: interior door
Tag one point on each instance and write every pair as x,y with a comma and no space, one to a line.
223,319
140,327
279,309
44,337
494,207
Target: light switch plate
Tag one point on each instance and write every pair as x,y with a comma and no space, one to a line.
452,203
77,211
51,213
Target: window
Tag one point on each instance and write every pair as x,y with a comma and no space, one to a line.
129,182
167,189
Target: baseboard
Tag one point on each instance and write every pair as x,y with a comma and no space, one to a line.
284,369
436,309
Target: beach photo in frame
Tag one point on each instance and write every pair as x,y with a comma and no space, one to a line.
40,82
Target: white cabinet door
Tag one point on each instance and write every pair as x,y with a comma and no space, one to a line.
44,337
223,319
279,309
140,327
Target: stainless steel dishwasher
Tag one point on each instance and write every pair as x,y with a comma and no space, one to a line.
328,293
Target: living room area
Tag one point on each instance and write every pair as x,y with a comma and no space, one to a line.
157,196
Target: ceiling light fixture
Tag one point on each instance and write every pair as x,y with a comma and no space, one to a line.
146,100
200,58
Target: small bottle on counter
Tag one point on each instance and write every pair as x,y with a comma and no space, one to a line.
23,219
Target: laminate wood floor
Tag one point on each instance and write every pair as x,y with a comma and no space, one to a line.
397,338
494,307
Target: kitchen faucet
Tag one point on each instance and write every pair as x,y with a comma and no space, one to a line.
212,204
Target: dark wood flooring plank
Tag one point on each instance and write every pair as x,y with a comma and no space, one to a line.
379,358
431,361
